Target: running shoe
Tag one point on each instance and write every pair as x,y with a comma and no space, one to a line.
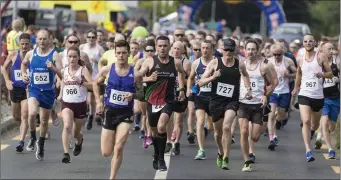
31,145
247,167
318,144
162,165
252,158
176,149
78,148
225,164
142,134
331,154
66,158
190,138
272,146
309,156
149,141
168,147
20,146
200,155
40,151
219,160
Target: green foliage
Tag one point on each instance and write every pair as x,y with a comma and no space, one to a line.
325,17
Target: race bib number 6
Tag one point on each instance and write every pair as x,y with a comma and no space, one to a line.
41,78
117,97
17,75
157,108
225,89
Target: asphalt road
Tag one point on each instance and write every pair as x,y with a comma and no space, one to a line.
287,162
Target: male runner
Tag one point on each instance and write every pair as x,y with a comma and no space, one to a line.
311,69
17,86
224,73
95,52
180,107
331,107
252,110
119,104
202,99
44,64
280,98
160,95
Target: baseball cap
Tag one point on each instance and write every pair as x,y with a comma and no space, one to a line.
229,44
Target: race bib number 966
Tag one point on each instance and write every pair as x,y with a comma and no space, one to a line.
225,89
117,97
41,78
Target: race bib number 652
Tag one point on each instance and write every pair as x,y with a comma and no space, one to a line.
41,78
117,97
225,89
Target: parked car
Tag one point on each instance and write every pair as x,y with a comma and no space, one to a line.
291,31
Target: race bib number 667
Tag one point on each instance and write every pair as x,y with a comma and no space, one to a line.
117,97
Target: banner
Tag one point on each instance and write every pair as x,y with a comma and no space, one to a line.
272,9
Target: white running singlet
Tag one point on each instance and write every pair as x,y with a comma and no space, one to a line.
257,86
283,83
93,53
73,91
311,86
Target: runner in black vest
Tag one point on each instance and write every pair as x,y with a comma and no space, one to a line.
225,96
160,95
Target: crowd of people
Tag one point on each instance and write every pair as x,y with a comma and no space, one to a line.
156,82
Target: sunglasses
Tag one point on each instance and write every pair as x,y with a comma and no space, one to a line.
228,50
73,42
91,37
197,50
309,41
149,50
277,55
179,35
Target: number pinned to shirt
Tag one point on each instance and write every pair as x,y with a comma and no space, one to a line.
225,90
117,97
329,83
311,84
157,108
41,78
17,75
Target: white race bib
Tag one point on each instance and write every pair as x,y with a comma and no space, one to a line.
17,75
117,97
41,78
311,84
253,84
71,91
206,88
225,89
157,108
329,83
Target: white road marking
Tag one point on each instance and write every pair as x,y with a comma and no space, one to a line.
163,174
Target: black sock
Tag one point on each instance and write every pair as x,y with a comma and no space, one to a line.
312,132
41,141
156,147
33,135
162,140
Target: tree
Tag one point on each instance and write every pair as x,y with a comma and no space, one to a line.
325,17
167,7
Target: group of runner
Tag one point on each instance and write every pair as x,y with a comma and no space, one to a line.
147,80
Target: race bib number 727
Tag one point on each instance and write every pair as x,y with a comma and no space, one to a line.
225,89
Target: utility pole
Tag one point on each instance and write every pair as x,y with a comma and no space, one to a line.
15,10
263,24
213,8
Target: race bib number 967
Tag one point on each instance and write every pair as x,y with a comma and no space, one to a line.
17,75
41,78
311,84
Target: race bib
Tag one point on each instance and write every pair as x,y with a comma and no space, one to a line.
311,84
17,75
117,97
71,91
329,83
157,108
253,84
41,78
225,89
206,88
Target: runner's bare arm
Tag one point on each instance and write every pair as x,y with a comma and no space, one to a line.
25,63
187,68
325,66
61,90
191,77
181,74
292,68
58,62
8,62
271,77
88,79
245,76
101,76
207,77
146,66
85,59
